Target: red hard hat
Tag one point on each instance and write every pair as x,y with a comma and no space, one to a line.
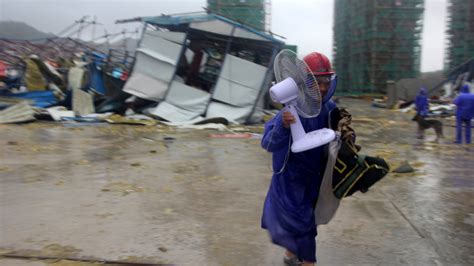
319,64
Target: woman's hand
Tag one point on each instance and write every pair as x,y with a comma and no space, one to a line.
288,119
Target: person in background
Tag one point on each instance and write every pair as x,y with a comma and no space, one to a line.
288,212
421,103
464,113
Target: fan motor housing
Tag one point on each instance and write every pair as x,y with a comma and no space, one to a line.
284,91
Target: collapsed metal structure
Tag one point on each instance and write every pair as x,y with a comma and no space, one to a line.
376,41
199,66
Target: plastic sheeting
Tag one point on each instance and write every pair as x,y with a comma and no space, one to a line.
3,69
39,98
327,204
96,80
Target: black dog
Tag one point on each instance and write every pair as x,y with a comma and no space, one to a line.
424,124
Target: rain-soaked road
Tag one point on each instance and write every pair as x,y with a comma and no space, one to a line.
158,195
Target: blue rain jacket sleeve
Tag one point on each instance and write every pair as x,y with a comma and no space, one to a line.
276,136
465,104
288,212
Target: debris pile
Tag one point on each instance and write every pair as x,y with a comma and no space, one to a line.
186,70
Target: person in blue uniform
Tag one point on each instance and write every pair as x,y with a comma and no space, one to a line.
421,103
288,212
464,113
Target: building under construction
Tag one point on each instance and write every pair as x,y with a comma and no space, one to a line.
253,13
376,41
460,33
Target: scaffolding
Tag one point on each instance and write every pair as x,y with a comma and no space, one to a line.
376,41
253,13
460,33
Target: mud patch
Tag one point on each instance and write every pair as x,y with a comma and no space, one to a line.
56,250
4,251
144,260
32,179
74,263
122,187
185,168
104,215
4,168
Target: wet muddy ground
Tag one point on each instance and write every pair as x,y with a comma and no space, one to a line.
154,195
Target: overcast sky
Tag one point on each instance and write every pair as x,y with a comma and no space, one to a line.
306,23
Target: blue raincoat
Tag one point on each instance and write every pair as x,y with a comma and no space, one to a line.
288,212
421,102
464,113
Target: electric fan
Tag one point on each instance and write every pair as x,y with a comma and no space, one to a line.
298,90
